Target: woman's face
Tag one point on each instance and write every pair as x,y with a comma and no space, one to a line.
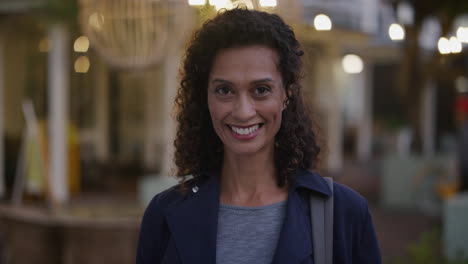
245,98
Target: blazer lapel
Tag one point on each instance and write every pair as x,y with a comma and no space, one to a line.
193,223
295,242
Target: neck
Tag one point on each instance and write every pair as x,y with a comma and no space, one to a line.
250,180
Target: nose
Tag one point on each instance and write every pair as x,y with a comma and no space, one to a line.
244,108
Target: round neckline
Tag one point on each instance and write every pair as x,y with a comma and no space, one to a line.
262,207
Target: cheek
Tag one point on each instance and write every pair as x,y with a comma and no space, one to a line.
274,110
217,111
274,113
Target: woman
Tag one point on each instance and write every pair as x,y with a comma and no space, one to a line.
245,136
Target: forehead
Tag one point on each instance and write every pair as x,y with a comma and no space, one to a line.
245,62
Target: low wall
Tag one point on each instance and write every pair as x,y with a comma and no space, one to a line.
35,235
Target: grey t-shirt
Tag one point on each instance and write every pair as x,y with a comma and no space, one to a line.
248,235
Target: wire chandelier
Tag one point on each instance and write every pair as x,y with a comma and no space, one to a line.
134,34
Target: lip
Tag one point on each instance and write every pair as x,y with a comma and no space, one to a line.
260,124
248,136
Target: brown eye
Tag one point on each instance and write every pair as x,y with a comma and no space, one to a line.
223,90
262,90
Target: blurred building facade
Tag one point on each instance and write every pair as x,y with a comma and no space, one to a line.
122,115
119,118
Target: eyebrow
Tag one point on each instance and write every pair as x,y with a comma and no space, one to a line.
221,81
263,80
253,82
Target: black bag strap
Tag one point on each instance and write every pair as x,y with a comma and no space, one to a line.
321,215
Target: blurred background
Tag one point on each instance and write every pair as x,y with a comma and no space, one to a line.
86,97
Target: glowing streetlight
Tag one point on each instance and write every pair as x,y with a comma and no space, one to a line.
455,45
444,46
196,2
267,3
352,64
396,32
462,34
322,22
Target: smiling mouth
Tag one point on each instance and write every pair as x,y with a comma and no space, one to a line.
245,130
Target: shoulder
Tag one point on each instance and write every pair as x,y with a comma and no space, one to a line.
169,197
354,227
347,203
154,233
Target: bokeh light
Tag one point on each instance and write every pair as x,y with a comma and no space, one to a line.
82,64
396,32
322,22
81,44
352,64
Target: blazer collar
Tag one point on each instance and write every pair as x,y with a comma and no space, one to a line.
312,181
193,221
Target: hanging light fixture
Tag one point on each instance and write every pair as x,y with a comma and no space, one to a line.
322,22
290,11
134,33
443,45
455,45
352,64
396,32
447,46
268,3
197,2
81,44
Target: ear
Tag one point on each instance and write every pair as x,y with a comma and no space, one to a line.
286,99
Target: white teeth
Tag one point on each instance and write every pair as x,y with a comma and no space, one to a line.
245,131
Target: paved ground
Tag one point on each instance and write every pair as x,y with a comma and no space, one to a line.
396,229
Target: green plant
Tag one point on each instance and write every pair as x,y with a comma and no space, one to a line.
427,250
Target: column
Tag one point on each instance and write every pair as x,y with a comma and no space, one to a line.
152,126
2,128
152,184
58,73
364,133
428,118
330,101
102,112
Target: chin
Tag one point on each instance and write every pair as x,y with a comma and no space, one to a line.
245,150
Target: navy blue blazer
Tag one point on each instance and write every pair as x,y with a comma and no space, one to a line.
179,228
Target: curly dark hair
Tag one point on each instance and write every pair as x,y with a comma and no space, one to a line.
197,146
